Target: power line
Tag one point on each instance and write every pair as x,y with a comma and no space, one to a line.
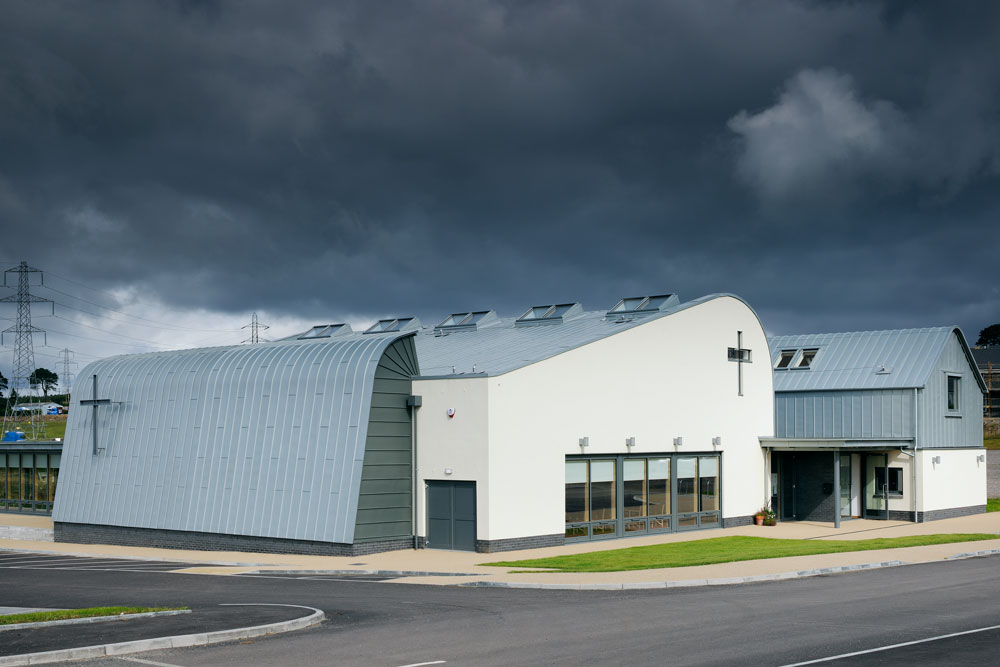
67,375
161,325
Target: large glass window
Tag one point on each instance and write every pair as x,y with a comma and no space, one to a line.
42,477
3,478
659,486
14,477
54,460
634,488
577,502
687,481
27,476
602,490
708,482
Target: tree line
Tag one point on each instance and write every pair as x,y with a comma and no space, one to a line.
40,378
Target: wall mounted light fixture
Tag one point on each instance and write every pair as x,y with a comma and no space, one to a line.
630,442
584,442
678,441
936,460
717,441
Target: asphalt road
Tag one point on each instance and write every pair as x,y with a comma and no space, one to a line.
381,623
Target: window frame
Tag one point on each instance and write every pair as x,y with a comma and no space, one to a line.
956,408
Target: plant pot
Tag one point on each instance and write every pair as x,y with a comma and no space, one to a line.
770,522
759,520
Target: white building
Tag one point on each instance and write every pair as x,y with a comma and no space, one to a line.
560,424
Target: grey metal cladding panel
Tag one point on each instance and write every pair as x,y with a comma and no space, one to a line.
845,414
937,427
263,440
849,360
503,347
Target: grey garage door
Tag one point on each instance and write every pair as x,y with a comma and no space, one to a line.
451,515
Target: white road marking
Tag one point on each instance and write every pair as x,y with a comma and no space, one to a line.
421,664
893,646
148,662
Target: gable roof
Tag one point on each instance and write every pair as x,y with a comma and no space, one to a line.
503,346
850,360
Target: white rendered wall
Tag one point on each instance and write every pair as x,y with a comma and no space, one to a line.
902,503
958,481
668,377
458,443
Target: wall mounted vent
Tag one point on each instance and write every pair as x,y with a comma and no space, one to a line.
554,314
637,306
394,324
326,331
469,321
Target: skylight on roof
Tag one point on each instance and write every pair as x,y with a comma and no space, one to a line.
807,358
642,305
553,314
323,331
466,321
391,324
785,359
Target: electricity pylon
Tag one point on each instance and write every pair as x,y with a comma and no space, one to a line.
67,376
24,352
255,328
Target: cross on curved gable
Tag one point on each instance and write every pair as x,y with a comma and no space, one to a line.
95,402
741,356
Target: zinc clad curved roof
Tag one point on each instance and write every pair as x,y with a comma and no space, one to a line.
264,440
850,360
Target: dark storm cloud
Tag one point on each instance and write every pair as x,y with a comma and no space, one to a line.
835,163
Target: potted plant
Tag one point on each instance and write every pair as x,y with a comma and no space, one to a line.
770,517
758,518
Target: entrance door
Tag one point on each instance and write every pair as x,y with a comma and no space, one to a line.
876,486
451,515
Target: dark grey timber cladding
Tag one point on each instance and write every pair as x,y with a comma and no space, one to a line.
385,501
88,533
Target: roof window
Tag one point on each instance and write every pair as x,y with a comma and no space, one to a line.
325,331
393,324
553,314
786,358
642,305
466,321
805,361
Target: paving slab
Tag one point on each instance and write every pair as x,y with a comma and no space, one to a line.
424,563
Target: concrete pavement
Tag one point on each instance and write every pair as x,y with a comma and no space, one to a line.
458,567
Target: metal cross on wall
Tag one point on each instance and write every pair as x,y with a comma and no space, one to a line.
95,402
740,356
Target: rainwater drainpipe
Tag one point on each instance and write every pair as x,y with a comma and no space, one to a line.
916,441
414,402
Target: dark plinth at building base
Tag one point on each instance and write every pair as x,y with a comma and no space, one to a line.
936,515
515,543
85,533
734,521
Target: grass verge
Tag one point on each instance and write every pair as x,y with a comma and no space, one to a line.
64,614
993,504
724,550
991,443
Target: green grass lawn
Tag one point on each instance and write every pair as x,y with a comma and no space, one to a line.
723,550
55,427
64,614
991,443
993,504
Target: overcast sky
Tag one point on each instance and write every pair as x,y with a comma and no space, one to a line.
835,164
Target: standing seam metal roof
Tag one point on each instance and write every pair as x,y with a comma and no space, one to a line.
503,347
849,360
266,440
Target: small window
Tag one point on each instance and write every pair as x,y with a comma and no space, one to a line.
892,487
953,386
786,358
807,358
739,355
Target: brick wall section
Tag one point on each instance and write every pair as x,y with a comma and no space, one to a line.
82,533
936,515
515,543
733,521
